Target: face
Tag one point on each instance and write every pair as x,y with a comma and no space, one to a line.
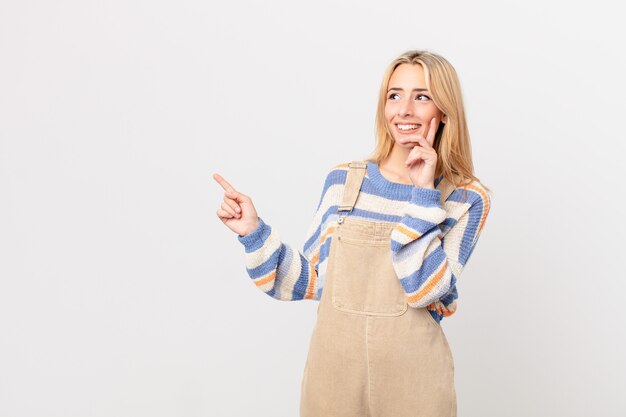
409,107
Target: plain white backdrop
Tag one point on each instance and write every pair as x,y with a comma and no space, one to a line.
122,293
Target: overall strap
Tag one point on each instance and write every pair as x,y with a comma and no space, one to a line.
354,179
447,188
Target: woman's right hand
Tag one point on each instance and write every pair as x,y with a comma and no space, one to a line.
237,211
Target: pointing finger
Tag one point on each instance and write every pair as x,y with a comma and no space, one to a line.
221,181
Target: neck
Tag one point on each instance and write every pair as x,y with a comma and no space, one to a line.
393,166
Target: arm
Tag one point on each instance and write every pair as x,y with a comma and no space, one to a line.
278,270
427,262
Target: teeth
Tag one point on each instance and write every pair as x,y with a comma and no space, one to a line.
407,127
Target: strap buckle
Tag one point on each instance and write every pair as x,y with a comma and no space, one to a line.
357,164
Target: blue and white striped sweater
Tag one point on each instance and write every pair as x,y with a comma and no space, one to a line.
430,243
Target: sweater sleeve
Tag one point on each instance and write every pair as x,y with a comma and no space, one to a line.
276,268
430,246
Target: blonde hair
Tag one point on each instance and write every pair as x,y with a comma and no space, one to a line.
452,140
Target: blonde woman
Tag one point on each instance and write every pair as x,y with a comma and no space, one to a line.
387,244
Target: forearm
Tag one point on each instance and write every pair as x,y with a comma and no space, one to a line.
274,267
428,263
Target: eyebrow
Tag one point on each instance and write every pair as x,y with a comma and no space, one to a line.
399,89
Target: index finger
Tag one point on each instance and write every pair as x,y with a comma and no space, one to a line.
432,130
225,185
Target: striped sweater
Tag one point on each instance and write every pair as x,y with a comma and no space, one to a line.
430,243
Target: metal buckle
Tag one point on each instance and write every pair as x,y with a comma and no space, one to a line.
357,164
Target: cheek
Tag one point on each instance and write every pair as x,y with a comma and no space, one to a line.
435,112
388,113
425,115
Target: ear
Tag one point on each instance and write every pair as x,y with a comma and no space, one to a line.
444,119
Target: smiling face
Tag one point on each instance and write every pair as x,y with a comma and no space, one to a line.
409,107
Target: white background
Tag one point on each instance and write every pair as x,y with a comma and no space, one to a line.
122,293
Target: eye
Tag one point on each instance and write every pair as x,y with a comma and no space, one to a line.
422,95
391,95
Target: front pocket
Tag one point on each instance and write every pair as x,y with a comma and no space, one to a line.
364,281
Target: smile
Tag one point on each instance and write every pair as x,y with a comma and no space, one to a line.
408,127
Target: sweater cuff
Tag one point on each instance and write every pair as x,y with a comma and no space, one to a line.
426,197
255,238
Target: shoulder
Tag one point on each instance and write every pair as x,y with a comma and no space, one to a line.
341,169
335,180
477,195
333,184
336,174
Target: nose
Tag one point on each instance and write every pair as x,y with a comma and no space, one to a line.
405,109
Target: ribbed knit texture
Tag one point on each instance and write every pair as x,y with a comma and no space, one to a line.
430,243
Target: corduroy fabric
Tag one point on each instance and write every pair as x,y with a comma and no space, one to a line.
370,355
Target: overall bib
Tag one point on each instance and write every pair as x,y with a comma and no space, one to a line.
371,354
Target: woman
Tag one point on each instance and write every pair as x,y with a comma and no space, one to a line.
387,244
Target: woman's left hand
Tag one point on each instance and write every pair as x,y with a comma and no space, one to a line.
422,159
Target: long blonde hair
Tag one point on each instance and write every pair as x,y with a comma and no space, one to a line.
452,140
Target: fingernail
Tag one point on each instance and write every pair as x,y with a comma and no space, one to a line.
238,209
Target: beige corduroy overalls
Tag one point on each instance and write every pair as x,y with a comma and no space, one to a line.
371,354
